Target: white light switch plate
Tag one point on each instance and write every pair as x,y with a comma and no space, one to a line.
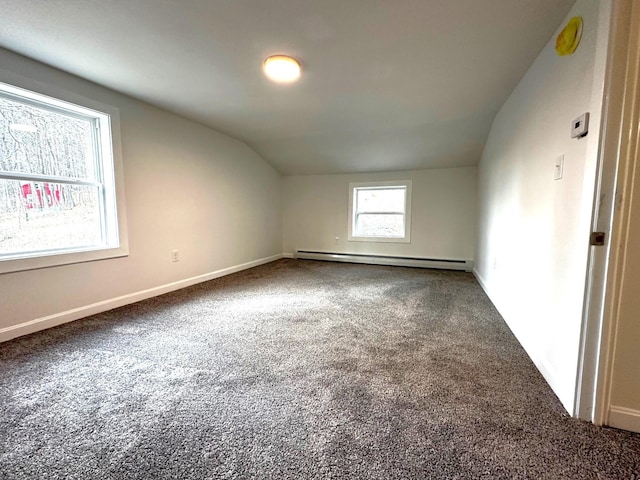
558,168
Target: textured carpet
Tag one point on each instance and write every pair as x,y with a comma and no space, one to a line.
295,370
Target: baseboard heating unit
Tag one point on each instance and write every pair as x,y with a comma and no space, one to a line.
444,264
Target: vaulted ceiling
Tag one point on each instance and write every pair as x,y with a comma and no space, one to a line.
386,84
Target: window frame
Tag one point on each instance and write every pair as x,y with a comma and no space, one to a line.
352,235
109,174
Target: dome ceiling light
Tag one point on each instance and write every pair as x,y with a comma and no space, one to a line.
281,68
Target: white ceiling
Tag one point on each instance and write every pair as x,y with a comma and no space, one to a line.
386,84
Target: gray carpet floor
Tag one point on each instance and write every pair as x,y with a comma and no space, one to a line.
295,370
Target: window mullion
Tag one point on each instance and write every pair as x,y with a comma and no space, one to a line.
30,177
379,213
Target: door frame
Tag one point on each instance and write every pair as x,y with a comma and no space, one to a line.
619,140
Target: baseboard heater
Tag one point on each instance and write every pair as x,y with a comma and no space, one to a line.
444,264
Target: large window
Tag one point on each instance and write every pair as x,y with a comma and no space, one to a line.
380,211
57,181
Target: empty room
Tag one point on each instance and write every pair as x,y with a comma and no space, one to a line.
284,239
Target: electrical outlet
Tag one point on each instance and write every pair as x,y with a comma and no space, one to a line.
337,241
175,256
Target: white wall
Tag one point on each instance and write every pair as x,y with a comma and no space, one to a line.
533,231
315,211
187,187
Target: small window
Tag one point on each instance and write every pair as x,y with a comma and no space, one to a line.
380,212
57,182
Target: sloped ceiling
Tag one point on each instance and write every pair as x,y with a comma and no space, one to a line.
386,85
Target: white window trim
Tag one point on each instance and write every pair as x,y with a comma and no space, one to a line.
407,209
62,257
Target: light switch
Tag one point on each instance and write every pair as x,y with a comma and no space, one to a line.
558,167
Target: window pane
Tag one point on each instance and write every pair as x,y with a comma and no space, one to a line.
380,199
385,225
37,216
40,141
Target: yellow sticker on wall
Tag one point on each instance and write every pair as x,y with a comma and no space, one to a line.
569,38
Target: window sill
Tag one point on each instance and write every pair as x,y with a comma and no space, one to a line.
59,259
380,239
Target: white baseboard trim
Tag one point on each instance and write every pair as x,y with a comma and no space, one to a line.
482,283
624,418
548,371
49,321
288,255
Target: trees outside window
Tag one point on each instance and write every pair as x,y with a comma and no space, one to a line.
57,187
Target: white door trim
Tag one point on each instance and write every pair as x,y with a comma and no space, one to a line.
616,157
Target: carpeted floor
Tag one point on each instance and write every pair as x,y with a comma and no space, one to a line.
295,370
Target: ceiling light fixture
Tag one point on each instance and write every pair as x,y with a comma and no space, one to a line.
281,68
